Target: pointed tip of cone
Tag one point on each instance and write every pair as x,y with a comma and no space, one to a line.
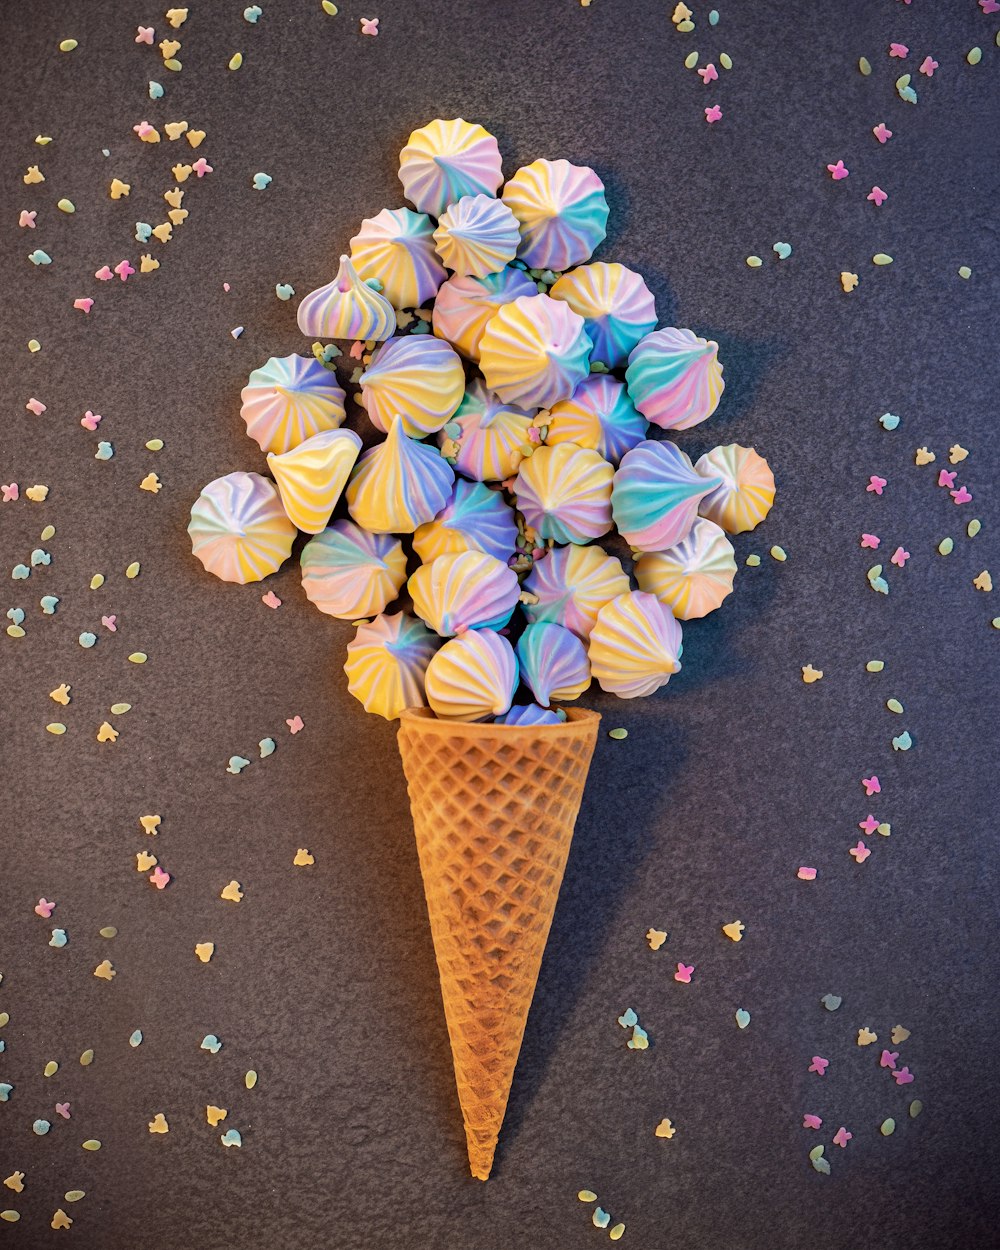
480,1163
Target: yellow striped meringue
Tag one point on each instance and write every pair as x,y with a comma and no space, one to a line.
464,590
446,160
465,304
571,584
564,493
420,377
534,351
746,494
238,528
397,248
472,677
477,236
311,476
386,662
635,646
398,485
346,308
491,435
694,577
290,399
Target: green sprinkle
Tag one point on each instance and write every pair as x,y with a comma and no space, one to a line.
109,931
945,547
964,272
885,829
330,7
887,1127
915,1108
138,657
875,666
685,27
881,258
725,60
74,1195
903,742
618,734
973,56
617,1233
48,532
68,45
995,622
87,1058
865,66
119,709
236,60
132,570
587,1195
973,528
779,554
713,17
894,705
250,1080
66,206
91,1144
691,60
754,262
135,1039
753,561
97,581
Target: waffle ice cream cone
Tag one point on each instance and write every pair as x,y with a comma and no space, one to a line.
494,808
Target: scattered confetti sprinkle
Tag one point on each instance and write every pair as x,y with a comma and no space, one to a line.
742,1018
683,973
810,674
866,1037
806,874
842,1137
159,1124
655,938
838,171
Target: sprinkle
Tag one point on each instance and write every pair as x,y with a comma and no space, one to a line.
754,262
204,951
91,1144
618,734
107,733
159,878
877,196
713,113
138,657
151,483
903,742
83,305
135,1039
974,56
302,858
899,50
236,60
881,258
984,581
842,1137
236,764
691,60
87,1058
882,132
819,1065
250,1080
215,1115
132,572
838,171
753,561
973,528
915,1108
961,495
74,1195
66,206
870,541
779,554
903,1076
211,1043
866,1037
683,973
87,639
231,1138
261,181
964,272
872,785
811,1121
734,930
27,219
236,331
946,546
38,257
270,600
848,280
616,1233
68,45
713,17
155,90
369,26
806,874
266,746
782,250
159,1124
252,14
232,892
742,1018
928,65
831,1002
810,674
864,65
725,60
105,971
860,852
899,557
201,167
33,346
708,73
295,724
176,17
33,175
876,484
923,456
284,291
894,705
55,727
655,938
329,7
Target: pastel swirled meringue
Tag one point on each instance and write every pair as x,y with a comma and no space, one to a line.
290,399
675,378
598,415
238,528
553,663
478,235
472,677
446,160
419,377
570,586
562,210
745,492
312,476
386,662
464,590
564,493
635,646
534,351
346,308
398,485
465,304
475,518
491,436
349,573
397,247
656,494
694,577
617,307
531,714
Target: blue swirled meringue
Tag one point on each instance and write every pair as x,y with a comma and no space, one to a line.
635,646
598,415
464,590
346,308
465,304
446,160
564,493
386,662
349,573
616,306
570,585
290,399
419,377
475,518
553,662
397,247
398,485
239,530
655,496
531,714
675,378
472,677
534,351
478,235
562,211
490,438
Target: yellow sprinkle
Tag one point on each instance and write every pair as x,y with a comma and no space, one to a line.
250,1080
15,631
119,709
43,140
51,1068
617,1233
151,483
779,554
865,66
138,657
119,188
236,60
147,263
67,45
48,532
91,1144
132,570
176,17
983,581
848,280
685,27
66,206
33,175
725,60
107,733
97,581
881,258
754,262
10,1216
87,1058
154,444
753,561
34,346
74,1195
810,674
587,1195
172,63
973,56
973,528
330,7
691,60
56,728
964,271
875,666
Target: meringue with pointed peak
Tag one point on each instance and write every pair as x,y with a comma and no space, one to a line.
562,211
419,377
553,663
570,586
675,378
447,160
534,351
531,714
398,485
472,677
694,577
346,308
491,436
475,518
348,573
617,307
656,494
396,247
478,235
465,304
312,476
635,646
290,399
386,662
238,528
745,491
564,493
464,590
598,415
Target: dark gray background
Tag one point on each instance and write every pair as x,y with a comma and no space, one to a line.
323,978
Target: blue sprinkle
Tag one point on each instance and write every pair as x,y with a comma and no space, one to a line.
58,939
888,421
284,290
16,615
3,1045
231,1137
267,747
211,1042
20,572
453,430
374,284
261,182
713,17
104,451
38,257
39,556
48,604
329,353
601,1218
236,764
155,91
903,742
143,232
135,1039
628,1018
421,327
87,639
5,1091
252,14
41,1127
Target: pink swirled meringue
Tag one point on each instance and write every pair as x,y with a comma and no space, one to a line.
553,662
238,528
419,377
349,573
386,663
675,378
465,304
635,646
446,160
656,495
598,415
564,493
745,493
398,485
472,677
290,399
617,307
694,577
346,308
397,247
475,518
562,210
464,590
570,586
491,436
534,352
478,235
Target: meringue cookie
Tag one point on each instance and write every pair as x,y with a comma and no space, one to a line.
398,485
562,211
465,304
446,160
656,494
491,436
553,663
534,351
675,378
616,306
475,518
570,586
290,399
386,663
419,377
531,714
478,236
745,492
462,591
472,677
564,493
694,577
346,308
598,415
635,646
348,573
312,476
397,248
238,528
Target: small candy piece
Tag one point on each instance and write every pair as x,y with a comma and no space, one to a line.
135,1039
655,938
215,1115
618,734
964,272
806,874
831,1001
665,1129
617,1232
973,56
734,930
250,1079
232,892
754,262
235,61
887,1127
973,528
231,1137
204,951
159,1124
211,1043
848,280
74,1195
915,1108
742,1018
683,973
302,858
87,1058
903,742
810,674
104,971
91,1144
587,1195
881,258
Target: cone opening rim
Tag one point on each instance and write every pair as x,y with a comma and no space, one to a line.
579,719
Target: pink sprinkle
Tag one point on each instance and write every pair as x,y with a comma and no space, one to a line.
806,874
90,420
877,484
708,73
84,305
104,274
271,600
62,1108
145,35
928,65
10,492
356,349
123,269
143,128
869,824
27,219
159,878
369,26
961,495
903,1077
295,724
872,785
899,50
888,1058
819,1066
539,553
44,908
533,434
226,287
811,1121
882,132
110,623
842,1137
877,196
201,167
860,852
838,171
870,540
683,973
899,557
713,114
946,478
990,6
36,406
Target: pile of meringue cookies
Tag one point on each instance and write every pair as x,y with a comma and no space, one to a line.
516,412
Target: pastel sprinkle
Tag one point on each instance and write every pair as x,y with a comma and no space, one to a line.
236,60
587,1195
600,1218
135,1039
973,528
618,734
616,1233
74,1195
725,60
87,1058
91,1144
875,666
154,444
68,45
329,7
864,65
252,14
109,931
903,742
887,1127
87,639
284,291
754,262
41,1127
231,1137
155,90
51,1068
261,181
138,657
779,554
806,874
894,705
753,561
974,56
964,272
946,546
742,1018
915,1108
250,1080
267,747
881,258
133,570
66,206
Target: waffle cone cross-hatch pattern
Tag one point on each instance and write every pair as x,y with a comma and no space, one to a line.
494,807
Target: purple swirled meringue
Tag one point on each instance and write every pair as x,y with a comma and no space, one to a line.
534,351
478,235
526,714
397,248
475,518
398,485
490,438
635,646
675,378
465,304
564,493
419,377
616,306
472,677
571,584
386,663
598,415
464,590
656,494
446,160
349,573
289,399
553,662
346,308
562,210
238,528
